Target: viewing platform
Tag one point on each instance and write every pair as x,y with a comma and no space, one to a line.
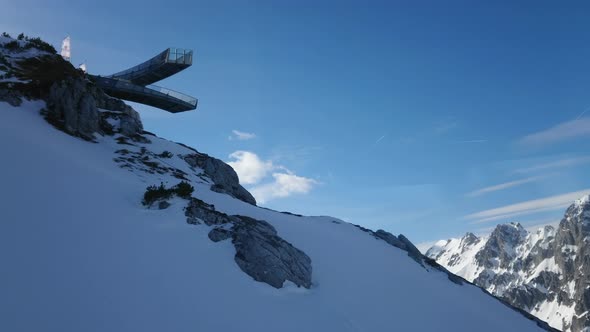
135,84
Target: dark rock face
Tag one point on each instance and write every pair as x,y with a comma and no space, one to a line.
129,121
11,97
223,176
260,251
163,205
266,257
390,238
219,234
469,240
198,211
72,102
572,255
411,248
499,248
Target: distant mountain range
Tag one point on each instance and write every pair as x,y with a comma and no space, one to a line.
546,272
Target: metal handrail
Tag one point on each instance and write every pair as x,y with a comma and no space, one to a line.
160,58
149,90
175,94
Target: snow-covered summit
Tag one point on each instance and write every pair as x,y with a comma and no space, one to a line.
544,272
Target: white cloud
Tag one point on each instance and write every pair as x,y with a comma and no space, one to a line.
533,206
284,185
555,164
503,186
241,135
560,132
250,168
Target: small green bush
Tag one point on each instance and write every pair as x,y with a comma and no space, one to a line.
5,34
40,44
166,154
12,45
155,193
21,36
184,189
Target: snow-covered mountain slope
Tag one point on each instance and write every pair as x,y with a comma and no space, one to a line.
80,252
546,272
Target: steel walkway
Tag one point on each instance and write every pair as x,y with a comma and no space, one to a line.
134,84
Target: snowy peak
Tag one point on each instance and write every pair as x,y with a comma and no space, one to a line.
500,249
468,241
544,272
579,212
510,232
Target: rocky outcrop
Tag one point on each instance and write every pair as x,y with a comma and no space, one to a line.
260,251
11,97
71,104
266,257
499,249
129,121
225,179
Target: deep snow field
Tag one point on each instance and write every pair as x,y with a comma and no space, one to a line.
79,252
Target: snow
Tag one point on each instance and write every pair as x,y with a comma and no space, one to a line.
548,264
554,313
80,253
468,268
583,200
463,262
12,57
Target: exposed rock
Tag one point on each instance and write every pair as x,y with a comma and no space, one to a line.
70,103
468,240
219,234
400,242
266,257
411,248
198,211
390,238
163,205
129,121
260,251
498,250
223,176
11,97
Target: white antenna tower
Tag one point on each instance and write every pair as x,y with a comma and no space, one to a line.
65,48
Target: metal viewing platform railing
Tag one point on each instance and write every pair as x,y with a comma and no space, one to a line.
166,99
135,83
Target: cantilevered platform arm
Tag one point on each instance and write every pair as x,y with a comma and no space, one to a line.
134,84
166,99
161,66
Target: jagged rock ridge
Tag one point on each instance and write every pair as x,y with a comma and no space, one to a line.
546,272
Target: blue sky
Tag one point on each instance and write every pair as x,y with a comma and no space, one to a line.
425,118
